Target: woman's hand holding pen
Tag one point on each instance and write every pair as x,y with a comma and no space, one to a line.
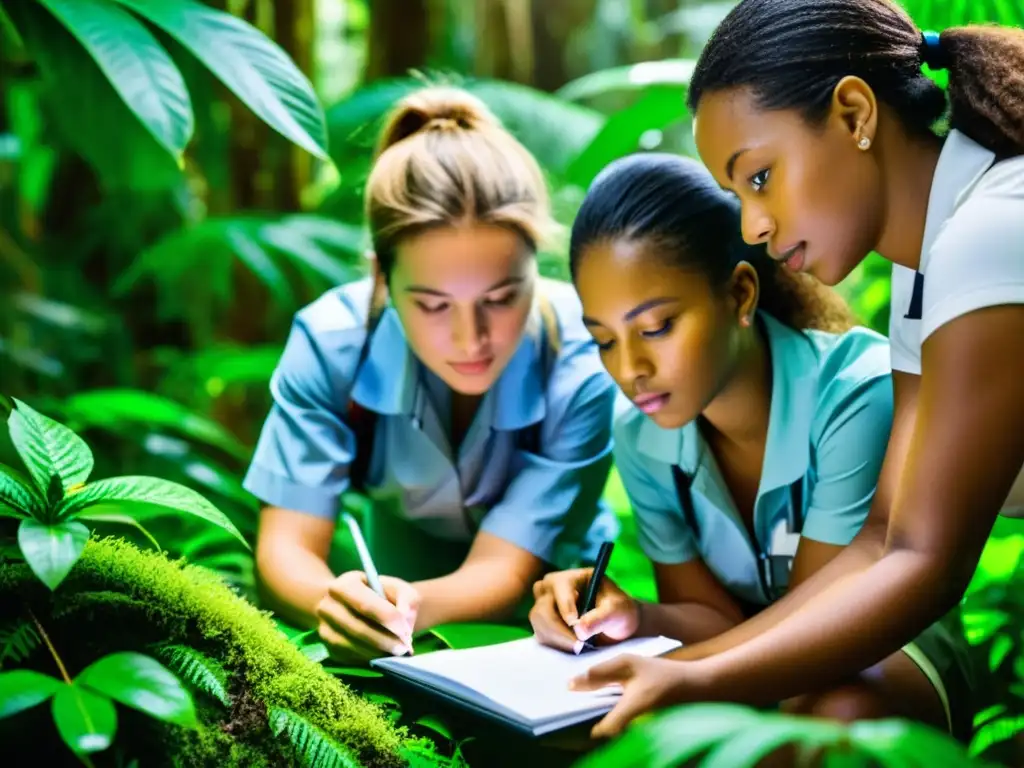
358,624
554,616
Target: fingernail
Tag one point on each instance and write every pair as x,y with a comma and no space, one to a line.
571,621
577,647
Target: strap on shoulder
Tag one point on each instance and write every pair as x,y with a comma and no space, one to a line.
361,421
530,437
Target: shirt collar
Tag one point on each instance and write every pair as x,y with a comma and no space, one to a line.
962,163
387,381
787,450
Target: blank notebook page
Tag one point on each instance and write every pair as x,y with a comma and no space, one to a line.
527,677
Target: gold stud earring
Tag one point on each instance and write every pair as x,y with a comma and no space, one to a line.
864,143
745,321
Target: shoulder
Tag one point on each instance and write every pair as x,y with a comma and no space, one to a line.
990,210
854,375
977,258
327,335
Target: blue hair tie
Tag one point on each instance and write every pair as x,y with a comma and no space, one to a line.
932,51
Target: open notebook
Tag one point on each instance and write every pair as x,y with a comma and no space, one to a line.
520,683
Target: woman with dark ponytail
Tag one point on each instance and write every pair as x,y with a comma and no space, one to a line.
818,116
749,434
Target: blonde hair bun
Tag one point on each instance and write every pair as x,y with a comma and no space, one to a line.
435,108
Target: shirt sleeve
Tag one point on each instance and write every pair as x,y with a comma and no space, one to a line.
848,458
304,450
662,531
553,504
977,261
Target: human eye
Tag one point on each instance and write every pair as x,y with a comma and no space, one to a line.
662,330
604,346
432,309
759,180
505,300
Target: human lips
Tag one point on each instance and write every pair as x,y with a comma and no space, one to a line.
792,257
651,403
473,367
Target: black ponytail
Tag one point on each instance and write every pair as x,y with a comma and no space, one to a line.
674,203
793,53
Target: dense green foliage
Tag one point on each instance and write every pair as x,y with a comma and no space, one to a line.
172,189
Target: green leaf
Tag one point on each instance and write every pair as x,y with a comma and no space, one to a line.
147,490
136,65
656,741
621,135
997,654
85,110
434,724
352,671
251,65
19,496
94,516
313,747
51,550
315,652
632,77
86,721
116,408
141,682
754,744
979,626
474,634
996,732
197,669
49,449
23,689
17,641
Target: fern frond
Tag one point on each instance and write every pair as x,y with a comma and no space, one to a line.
196,669
314,748
17,641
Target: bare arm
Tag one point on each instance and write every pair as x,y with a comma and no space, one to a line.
807,582
966,450
488,586
291,563
695,608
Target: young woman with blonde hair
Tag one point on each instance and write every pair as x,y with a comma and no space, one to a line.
456,388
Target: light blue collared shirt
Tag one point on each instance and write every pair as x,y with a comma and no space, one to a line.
548,503
829,424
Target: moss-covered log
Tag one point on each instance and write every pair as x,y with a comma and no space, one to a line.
119,597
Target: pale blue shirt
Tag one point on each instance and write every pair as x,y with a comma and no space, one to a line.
829,424
548,503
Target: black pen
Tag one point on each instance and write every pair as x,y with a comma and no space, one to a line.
590,598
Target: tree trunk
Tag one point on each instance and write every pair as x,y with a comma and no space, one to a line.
400,37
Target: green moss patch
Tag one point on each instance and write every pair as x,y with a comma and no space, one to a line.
119,597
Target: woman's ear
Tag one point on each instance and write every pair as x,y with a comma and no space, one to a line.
744,290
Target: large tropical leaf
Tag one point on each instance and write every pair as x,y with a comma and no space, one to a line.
146,490
51,550
135,64
86,110
49,449
251,65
